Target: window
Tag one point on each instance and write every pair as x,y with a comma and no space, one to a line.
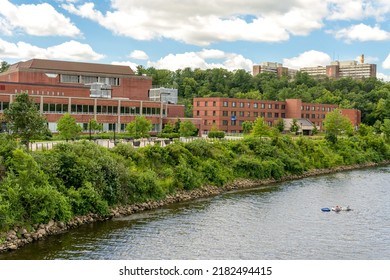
73,79
225,104
225,113
255,114
249,114
214,113
276,115
255,105
205,113
224,122
262,114
242,113
197,113
242,105
276,106
283,106
206,103
283,115
262,106
233,122
307,116
233,113
313,108
269,106
198,103
205,122
269,114
214,103
234,104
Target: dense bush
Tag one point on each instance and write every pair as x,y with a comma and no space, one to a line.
216,134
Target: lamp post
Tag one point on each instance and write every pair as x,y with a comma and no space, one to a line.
90,136
161,109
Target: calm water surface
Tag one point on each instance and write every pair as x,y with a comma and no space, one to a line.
283,221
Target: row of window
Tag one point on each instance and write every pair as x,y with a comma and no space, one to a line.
313,116
80,79
246,114
316,108
242,105
42,92
100,109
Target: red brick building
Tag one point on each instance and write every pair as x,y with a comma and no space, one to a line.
112,95
228,114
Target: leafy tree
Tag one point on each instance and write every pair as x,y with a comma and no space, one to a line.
67,127
335,123
385,128
365,130
294,126
280,125
139,128
314,130
247,126
187,128
94,125
4,66
260,128
24,119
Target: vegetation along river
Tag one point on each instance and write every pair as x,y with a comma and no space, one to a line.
282,221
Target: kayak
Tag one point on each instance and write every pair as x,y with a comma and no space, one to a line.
325,209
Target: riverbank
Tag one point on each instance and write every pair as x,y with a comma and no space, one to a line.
19,236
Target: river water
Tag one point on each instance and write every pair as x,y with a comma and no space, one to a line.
281,222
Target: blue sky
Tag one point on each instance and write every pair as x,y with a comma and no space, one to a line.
173,34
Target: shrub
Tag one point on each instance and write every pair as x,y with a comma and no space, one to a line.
216,134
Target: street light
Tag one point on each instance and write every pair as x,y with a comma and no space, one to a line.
161,109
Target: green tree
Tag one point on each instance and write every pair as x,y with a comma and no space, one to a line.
247,126
335,123
67,127
187,128
94,125
4,66
139,128
280,125
294,126
24,119
260,128
385,128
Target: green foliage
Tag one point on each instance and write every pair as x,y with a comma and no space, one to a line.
294,126
385,128
247,127
67,127
139,128
336,124
187,128
24,119
280,125
260,128
216,134
94,126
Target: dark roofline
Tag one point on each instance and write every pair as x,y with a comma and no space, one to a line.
71,66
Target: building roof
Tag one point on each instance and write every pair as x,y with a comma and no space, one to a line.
70,66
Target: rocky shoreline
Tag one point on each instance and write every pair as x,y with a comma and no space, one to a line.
19,236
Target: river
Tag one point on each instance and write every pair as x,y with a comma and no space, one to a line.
281,222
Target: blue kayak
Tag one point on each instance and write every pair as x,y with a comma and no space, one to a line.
325,209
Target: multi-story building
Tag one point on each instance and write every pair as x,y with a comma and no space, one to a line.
228,114
336,70
273,67
343,69
112,95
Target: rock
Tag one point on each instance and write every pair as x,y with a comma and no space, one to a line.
12,246
22,231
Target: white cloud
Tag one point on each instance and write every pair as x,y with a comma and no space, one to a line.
310,58
71,50
383,77
35,19
201,22
137,54
386,62
205,59
132,65
357,9
362,32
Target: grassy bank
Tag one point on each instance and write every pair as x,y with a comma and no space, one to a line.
76,179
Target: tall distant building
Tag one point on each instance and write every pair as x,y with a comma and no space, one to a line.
336,69
342,69
273,67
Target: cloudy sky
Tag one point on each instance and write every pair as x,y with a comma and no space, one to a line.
174,34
